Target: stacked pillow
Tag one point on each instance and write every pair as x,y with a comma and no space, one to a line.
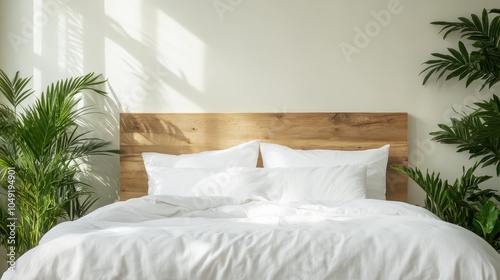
274,155
288,174
162,169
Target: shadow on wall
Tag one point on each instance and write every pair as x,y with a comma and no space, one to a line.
157,60
75,55
101,172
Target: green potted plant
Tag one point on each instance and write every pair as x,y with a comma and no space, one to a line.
477,132
42,147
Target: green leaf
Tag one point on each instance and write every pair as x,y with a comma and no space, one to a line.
457,55
485,21
477,22
438,199
481,63
14,90
486,221
463,52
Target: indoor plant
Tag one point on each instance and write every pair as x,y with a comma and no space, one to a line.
42,147
476,132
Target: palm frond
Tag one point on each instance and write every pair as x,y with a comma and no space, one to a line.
14,90
481,63
477,133
438,198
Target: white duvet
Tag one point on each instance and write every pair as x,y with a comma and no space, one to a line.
173,237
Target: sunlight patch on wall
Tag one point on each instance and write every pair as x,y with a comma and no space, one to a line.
70,44
37,85
160,61
121,63
126,17
180,51
178,100
37,32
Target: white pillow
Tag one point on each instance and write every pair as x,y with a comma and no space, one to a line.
243,155
335,183
180,181
274,155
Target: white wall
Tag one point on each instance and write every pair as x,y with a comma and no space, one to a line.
246,56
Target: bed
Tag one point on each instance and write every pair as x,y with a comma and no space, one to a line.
260,196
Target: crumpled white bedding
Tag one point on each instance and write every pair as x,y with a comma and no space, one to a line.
174,237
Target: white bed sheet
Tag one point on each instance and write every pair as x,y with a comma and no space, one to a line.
173,237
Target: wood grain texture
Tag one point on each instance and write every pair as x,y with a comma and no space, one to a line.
182,133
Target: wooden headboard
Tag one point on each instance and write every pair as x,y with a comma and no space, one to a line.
182,133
